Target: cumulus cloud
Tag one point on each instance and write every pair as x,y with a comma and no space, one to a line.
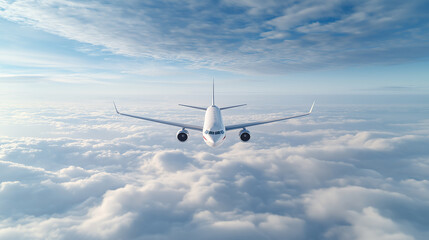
133,180
369,224
241,36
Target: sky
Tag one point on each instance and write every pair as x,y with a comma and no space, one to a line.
276,47
357,168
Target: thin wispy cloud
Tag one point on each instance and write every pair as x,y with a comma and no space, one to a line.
240,36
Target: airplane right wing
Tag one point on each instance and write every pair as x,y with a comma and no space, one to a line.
188,126
243,125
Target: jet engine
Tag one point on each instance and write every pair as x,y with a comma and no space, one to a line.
244,135
182,135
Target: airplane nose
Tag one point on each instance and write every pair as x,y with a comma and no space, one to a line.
211,140
213,144
214,141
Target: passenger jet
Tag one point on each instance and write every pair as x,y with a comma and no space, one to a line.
213,130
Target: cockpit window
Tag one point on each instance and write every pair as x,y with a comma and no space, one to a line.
214,132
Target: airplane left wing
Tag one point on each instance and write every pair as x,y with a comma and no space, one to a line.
243,125
188,126
189,106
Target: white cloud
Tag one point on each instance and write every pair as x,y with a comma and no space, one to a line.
369,224
332,203
135,181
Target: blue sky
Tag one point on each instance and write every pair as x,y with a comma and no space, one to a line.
357,168
276,47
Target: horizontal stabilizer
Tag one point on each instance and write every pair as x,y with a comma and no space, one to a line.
233,106
199,108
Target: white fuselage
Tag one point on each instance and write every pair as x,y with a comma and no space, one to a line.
213,129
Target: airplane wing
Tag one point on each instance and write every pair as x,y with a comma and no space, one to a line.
188,126
243,125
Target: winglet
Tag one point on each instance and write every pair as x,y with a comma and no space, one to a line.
115,107
311,109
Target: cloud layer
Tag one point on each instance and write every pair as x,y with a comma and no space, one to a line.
241,36
335,175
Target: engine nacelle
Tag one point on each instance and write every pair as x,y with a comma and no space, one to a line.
182,135
244,135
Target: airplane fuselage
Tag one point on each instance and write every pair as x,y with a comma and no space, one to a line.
213,129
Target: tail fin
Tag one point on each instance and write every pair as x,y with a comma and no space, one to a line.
213,99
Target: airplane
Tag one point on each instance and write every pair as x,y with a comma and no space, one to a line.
213,130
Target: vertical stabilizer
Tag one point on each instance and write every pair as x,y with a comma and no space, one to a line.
213,100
